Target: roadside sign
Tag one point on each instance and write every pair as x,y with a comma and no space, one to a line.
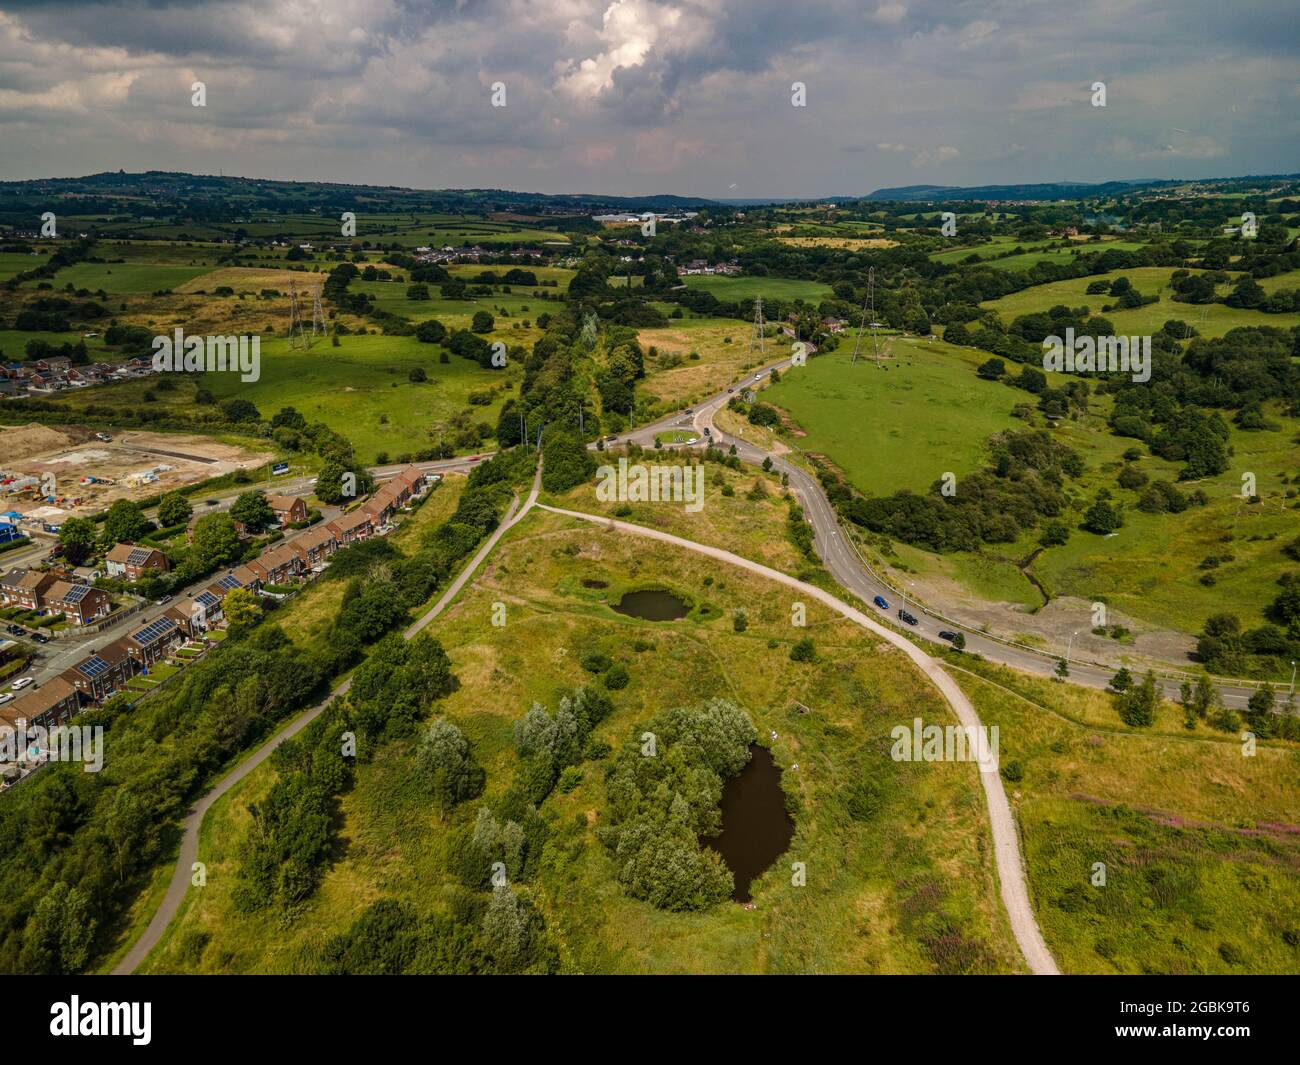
280,467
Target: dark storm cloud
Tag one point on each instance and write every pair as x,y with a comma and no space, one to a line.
684,96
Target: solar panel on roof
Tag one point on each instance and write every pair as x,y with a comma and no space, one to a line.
154,630
206,599
93,667
76,593
228,581
138,556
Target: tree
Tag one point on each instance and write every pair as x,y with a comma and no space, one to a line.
1062,668
507,929
803,651
567,462
174,509
427,671
431,331
482,322
1137,706
239,410
77,538
242,607
444,764
1123,680
253,510
124,523
739,620
1103,518
959,641
417,375
216,541
59,934
418,292
992,369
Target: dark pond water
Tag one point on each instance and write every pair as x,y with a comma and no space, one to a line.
591,582
756,830
652,606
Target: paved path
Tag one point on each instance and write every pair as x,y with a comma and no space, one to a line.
191,826
1006,845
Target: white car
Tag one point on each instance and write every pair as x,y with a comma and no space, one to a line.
6,697
21,683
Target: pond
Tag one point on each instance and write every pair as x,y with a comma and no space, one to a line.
756,829
652,605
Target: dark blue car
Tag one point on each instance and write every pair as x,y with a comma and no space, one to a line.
881,602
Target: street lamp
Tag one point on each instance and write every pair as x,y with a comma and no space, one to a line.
1070,644
1293,679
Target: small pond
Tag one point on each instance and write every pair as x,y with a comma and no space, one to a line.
756,829
652,605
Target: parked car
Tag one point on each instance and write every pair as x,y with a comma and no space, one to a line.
945,634
6,697
40,637
881,602
708,431
21,683
211,502
164,599
905,616
103,436
16,630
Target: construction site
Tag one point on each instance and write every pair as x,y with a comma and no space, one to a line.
48,474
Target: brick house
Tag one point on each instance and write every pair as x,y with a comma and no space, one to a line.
394,494
101,672
315,546
53,703
277,565
26,588
78,603
131,561
150,643
288,509
352,527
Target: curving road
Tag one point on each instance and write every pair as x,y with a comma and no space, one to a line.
842,560
1006,844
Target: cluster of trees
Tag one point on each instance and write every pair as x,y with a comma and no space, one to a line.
664,789
549,744
1227,649
1023,485
293,830
502,933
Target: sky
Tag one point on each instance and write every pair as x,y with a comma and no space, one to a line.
634,97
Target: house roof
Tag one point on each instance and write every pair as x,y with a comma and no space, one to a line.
131,554
353,520
34,703
284,502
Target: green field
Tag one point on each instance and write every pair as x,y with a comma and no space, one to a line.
129,278
905,885
1210,319
903,425
1199,846
732,289
359,389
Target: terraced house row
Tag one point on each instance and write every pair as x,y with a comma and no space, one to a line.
106,671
